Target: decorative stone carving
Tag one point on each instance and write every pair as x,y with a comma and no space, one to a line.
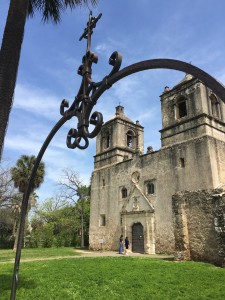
135,177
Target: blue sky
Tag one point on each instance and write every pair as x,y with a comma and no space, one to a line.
188,30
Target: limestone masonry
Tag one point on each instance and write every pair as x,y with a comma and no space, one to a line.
132,191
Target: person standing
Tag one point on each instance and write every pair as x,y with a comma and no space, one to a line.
121,244
126,242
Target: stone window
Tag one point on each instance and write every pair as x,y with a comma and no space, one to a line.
103,182
124,192
215,106
130,139
181,107
106,140
150,188
102,220
182,162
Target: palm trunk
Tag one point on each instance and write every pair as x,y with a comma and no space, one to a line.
9,60
16,237
14,227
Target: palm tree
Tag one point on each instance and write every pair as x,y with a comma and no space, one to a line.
20,176
21,173
12,40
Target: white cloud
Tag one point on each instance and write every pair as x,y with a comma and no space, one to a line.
103,48
36,100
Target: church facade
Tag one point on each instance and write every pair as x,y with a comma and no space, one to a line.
131,191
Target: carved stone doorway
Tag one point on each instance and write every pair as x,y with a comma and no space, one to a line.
137,238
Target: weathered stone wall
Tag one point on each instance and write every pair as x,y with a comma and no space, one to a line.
199,225
161,167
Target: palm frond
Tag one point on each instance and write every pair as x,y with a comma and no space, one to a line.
51,9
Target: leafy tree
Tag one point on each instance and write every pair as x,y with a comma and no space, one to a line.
12,41
47,210
72,189
58,224
10,200
7,190
21,174
6,228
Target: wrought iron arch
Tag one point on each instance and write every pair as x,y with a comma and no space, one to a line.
163,63
83,104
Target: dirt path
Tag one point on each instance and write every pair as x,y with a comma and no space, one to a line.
89,253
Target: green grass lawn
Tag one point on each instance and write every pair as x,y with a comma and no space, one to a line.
130,278
9,255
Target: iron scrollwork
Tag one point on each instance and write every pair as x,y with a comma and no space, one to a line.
85,100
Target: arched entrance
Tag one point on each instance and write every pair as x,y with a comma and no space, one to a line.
137,238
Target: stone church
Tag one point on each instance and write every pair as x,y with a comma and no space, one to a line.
131,191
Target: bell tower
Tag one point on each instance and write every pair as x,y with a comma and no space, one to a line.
191,110
119,139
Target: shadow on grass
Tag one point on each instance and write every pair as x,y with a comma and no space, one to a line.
6,283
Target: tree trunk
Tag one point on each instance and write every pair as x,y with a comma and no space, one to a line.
82,223
9,60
